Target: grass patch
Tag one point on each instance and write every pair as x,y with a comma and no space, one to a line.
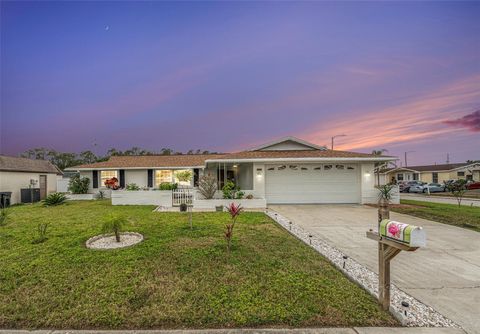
175,278
451,214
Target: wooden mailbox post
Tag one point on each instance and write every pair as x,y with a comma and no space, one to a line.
388,248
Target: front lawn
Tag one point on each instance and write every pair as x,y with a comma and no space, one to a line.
175,278
452,214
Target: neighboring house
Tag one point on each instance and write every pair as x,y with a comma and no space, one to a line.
21,173
432,173
288,170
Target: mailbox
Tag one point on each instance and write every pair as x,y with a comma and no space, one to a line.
410,235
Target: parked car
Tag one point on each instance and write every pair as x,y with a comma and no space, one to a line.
405,187
434,188
473,185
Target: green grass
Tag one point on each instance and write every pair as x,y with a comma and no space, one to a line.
451,214
175,278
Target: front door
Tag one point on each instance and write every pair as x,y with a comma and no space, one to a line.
43,186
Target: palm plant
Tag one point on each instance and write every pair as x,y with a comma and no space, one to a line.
54,199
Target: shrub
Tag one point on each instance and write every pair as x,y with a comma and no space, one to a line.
41,233
114,224
100,194
207,186
231,191
4,216
167,186
234,211
54,199
112,183
184,176
249,196
78,185
132,186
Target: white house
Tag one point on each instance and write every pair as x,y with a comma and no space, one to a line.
285,171
21,173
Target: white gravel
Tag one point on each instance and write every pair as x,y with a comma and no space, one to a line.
418,314
107,241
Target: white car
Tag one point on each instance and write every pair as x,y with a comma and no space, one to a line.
424,188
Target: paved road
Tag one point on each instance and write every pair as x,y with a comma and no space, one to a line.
439,199
444,275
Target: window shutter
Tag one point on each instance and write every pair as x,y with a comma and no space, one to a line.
122,178
95,179
150,178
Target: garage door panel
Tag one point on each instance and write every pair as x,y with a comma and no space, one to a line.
308,183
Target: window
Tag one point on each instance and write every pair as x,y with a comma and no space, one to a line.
460,173
304,168
470,177
350,167
415,177
399,177
318,168
294,167
105,175
434,177
328,167
271,168
176,180
162,176
339,166
282,167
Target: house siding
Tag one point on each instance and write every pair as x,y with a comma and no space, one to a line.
14,181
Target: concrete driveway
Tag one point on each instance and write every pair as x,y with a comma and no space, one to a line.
444,275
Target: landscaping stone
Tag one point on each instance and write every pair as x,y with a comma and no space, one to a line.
108,241
418,314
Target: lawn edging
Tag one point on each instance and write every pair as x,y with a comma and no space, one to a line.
419,315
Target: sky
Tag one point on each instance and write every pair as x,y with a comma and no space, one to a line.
226,76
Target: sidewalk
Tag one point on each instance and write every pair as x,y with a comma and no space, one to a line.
354,330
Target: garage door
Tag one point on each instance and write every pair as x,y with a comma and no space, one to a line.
309,183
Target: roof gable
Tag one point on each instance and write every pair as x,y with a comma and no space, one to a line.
288,144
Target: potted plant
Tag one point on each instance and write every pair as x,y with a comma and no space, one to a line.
183,207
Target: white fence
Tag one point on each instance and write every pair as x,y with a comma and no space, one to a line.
62,184
182,196
142,197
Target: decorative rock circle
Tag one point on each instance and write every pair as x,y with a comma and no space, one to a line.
107,241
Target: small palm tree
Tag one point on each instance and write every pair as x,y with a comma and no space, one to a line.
113,224
234,211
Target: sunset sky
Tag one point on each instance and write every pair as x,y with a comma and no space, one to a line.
401,76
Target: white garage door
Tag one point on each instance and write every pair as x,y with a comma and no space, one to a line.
312,183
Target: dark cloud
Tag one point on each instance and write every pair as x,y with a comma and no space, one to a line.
470,121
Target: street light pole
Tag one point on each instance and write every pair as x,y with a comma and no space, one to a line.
336,137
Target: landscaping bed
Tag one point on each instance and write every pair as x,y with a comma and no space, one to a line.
176,278
451,214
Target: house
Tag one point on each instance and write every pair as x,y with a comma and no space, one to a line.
432,173
288,170
21,173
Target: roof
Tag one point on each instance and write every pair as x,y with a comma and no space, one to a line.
150,161
300,142
199,160
15,164
429,168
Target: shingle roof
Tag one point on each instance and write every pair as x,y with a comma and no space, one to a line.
15,164
132,161
193,160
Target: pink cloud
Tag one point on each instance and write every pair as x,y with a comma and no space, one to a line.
470,121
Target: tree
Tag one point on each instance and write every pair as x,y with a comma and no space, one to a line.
88,157
457,189
207,186
166,151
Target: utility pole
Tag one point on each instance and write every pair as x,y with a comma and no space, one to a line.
406,163
448,158
336,137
